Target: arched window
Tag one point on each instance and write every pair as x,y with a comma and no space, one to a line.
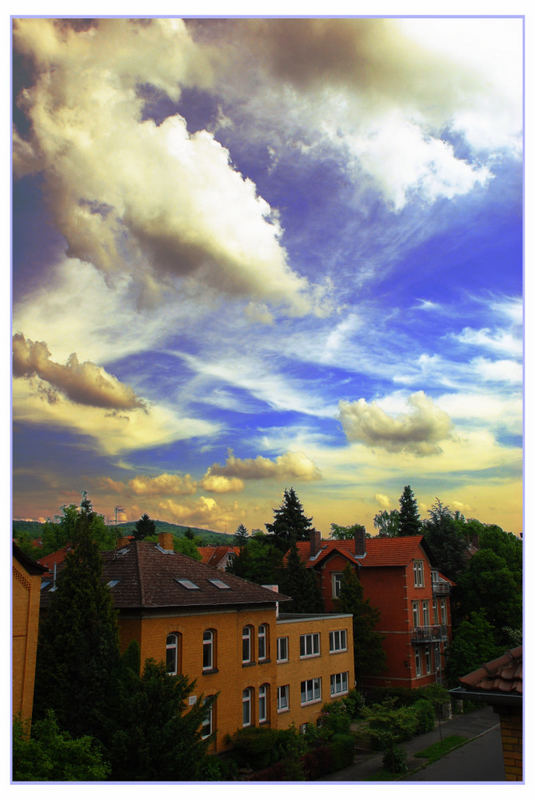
172,653
263,702
208,650
247,644
263,642
247,707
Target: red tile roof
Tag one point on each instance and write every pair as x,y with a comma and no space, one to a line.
147,577
213,554
57,558
381,551
504,674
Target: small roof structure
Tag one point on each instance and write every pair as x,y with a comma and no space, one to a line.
498,682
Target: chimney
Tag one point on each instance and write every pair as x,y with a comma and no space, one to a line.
360,543
315,542
166,541
122,541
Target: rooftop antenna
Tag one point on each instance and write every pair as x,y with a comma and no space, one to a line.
118,510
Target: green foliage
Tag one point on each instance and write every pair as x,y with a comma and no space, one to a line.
241,536
387,522
187,547
447,546
369,655
395,759
439,749
301,584
144,527
346,531
259,560
389,725
50,754
78,652
409,518
290,523
258,748
158,735
354,703
473,644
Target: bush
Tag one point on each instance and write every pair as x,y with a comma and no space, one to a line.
318,762
395,760
388,725
354,703
425,715
343,750
259,748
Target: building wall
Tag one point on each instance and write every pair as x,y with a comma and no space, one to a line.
298,669
26,598
511,731
231,677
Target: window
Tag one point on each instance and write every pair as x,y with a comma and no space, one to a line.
415,613
418,662
339,683
310,691
418,568
171,654
187,584
262,642
336,578
443,612
337,641
207,725
434,575
435,611
247,644
246,705
427,660
282,648
283,698
309,644
425,611
263,695
208,651
218,583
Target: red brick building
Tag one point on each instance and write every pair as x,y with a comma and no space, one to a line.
413,599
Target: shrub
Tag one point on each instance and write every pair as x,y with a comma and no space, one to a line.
395,759
354,703
259,748
343,750
425,715
318,762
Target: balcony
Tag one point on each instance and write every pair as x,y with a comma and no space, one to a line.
429,633
441,588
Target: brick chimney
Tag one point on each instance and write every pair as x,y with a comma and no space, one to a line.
315,542
166,541
122,541
360,543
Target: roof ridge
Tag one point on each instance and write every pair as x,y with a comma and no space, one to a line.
139,573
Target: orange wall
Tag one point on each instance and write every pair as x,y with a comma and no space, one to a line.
231,677
26,598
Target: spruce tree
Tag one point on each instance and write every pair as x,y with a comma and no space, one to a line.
290,523
409,518
241,536
301,584
367,643
78,649
144,527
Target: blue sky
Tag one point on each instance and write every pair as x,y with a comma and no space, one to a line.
250,254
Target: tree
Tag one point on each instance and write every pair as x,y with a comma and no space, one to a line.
78,650
301,584
187,547
441,533
290,523
241,536
387,522
259,560
367,643
49,754
144,527
409,518
346,531
473,644
159,737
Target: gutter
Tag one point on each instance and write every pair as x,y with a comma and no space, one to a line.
492,698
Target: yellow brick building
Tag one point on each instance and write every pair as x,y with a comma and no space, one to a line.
226,633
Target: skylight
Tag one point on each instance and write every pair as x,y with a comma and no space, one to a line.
111,584
220,584
187,584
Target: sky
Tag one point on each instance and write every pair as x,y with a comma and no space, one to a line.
250,254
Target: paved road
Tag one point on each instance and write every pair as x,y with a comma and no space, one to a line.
479,760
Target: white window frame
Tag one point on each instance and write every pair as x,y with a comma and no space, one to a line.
416,613
263,698
282,649
443,611
336,584
262,642
169,647
418,569
208,650
425,613
418,662
247,707
283,698
309,645
435,611
427,660
247,644
207,724
338,641
339,683
311,691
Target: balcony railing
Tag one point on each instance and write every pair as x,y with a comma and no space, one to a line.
441,588
429,633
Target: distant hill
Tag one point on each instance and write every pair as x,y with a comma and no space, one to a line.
33,529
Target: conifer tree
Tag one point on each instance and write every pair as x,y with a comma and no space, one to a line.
409,518
368,651
241,536
290,523
301,584
144,527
